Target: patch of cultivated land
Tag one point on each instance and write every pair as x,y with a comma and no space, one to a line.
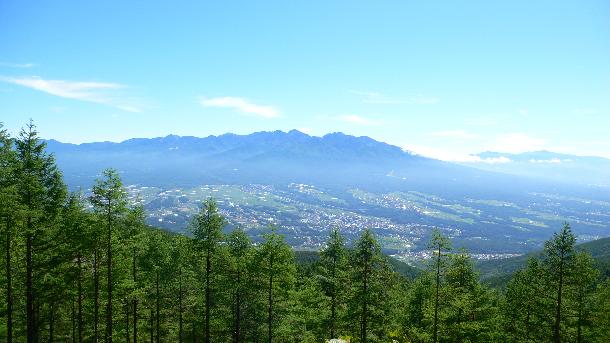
489,228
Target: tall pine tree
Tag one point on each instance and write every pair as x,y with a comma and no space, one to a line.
207,231
109,200
41,194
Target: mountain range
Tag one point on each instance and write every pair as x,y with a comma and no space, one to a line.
308,184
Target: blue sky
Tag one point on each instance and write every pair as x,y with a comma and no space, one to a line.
442,78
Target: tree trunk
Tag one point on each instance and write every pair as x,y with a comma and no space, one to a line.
152,326
208,268
31,322
36,320
179,306
80,301
127,323
158,308
527,325
96,295
135,301
333,298
557,326
579,323
73,321
364,322
237,319
270,300
436,296
9,286
52,323
110,285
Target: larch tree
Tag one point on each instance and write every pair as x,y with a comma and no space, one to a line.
41,194
582,288
133,238
240,251
469,310
334,278
559,259
275,261
109,200
439,244
207,230
371,286
8,218
77,234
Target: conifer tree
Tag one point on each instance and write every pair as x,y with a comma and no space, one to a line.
559,260
469,309
334,278
240,251
275,261
438,244
109,201
600,320
582,281
76,231
371,283
41,194
134,238
8,219
207,230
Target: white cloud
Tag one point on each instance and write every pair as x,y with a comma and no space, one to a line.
492,160
97,92
516,143
241,105
358,120
551,161
18,65
458,134
371,97
439,154
452,156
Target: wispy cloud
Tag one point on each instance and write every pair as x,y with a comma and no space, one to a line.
550,161
18,65
371,97
452,156
97,92
241,105
456,134
516,143
358,120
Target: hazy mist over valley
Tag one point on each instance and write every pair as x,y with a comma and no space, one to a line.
307,185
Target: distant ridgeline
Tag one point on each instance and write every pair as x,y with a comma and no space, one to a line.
308,185
89,269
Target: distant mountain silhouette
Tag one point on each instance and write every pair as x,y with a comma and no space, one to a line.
261,157
335,160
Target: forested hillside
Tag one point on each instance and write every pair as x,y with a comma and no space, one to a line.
498,272
79,268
